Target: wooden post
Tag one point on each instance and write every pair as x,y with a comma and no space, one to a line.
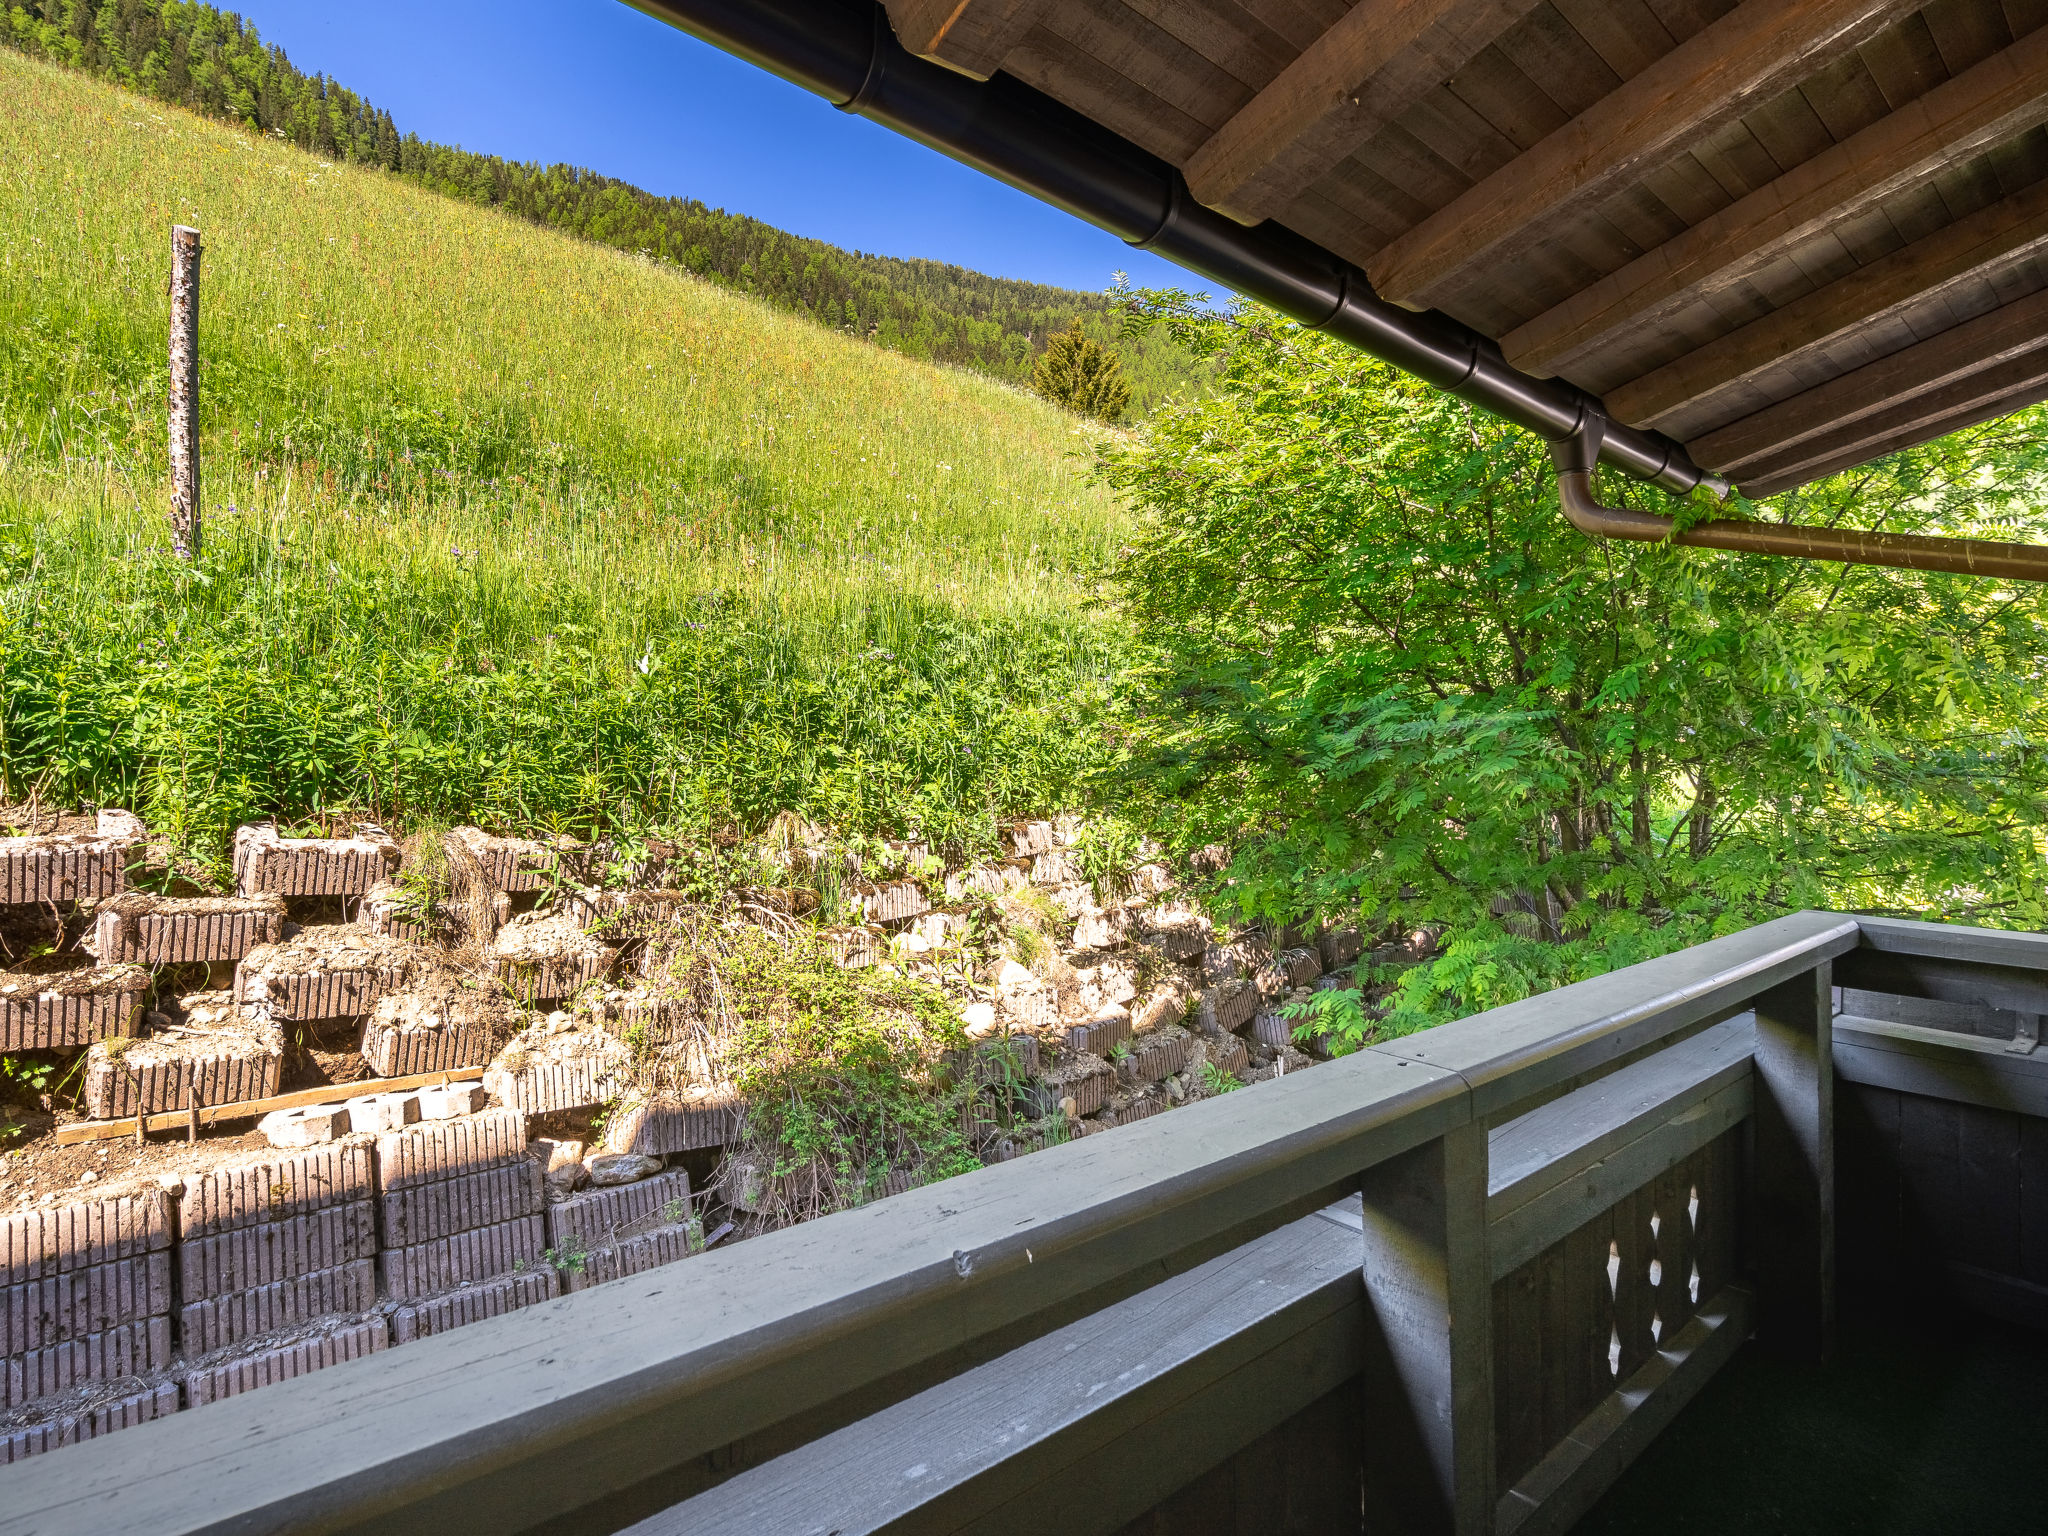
1429,1463
1792,1170
185,529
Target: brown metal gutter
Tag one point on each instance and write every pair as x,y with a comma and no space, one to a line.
1576,455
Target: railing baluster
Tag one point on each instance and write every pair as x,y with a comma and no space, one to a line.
1792,1176
1429,1455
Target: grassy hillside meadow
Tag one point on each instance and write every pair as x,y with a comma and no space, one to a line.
500,525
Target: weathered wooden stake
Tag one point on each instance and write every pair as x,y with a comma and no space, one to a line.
185,392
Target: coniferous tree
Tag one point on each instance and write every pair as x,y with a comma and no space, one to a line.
1079,372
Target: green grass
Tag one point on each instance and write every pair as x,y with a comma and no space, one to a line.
499,524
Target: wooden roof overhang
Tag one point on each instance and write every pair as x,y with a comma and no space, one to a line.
1753,243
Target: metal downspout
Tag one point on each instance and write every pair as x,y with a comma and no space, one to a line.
1576,456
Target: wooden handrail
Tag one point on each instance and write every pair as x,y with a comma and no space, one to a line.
471,1430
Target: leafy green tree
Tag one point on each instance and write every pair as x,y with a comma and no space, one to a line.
1079,372
1388,673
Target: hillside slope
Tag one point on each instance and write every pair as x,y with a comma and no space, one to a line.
500,524
214,62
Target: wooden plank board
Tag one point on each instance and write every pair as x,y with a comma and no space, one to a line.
2010,331
972,37
1531,1226
333,1093
1939,1064
1757,49
1553,1496
1792,1189
1166,1368
1991,102
1964,251
1971,398
1554,1143
1359,76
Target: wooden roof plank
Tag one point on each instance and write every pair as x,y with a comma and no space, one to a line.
2006,231
2005,95
1758,49
1353,81
1832,458
971,37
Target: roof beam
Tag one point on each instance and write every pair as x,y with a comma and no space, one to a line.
1961,406
1362,74
969,37
1992,101
1876,388
1757,50
1991,237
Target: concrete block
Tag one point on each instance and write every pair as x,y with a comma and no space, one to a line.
277,1187
55,1240
1272,1030
1056,866
1156,1056
1104,979
1229,1053
239,1060
575,1069
259,1362
444,1149
601,1216
1027,838
1102,927
307,1126
60,1009
473,1303
452,1100
506,863
333,972
1226,1007
544,958
986,880
249,1257
1177,933
1101,1033
1083,1078
62,867
62,1307
853,948
147,929
83,1415
701,1116
423,1213
1163,1005
311,866
217,1321
894,902
1340,947
386,909
484,1253
627,1256
440,1021
128,1350
373,1112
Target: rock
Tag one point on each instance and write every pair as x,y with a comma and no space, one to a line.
555,1154
622,1168
1015,975
565,1180
307,1126
979,1019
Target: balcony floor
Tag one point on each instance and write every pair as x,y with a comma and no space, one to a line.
1901,1435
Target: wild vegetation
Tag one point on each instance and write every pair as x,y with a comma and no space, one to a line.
213,61
646,553
1387,673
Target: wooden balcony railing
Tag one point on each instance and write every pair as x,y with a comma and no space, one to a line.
1454,1282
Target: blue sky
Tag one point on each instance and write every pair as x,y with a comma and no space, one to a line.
595,83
